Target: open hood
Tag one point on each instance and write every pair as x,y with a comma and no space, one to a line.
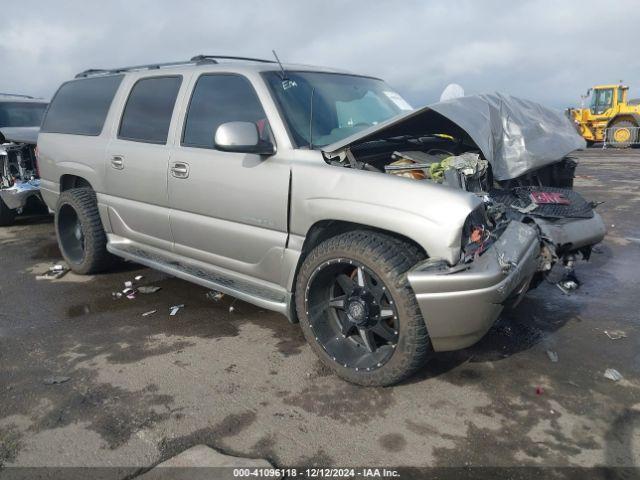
515,135
19,134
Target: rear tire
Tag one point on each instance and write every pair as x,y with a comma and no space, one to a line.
355,272
81,237
623,133
7,216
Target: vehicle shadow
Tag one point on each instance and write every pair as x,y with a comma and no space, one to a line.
517,330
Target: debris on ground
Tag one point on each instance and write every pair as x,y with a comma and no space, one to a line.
539,390
553,356
148,289
129,292
173,310
53,273
128,284
613,374
137,278
615,334
55,379
150,312
214,295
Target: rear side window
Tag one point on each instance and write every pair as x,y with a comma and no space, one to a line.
218,99
148,112
80,107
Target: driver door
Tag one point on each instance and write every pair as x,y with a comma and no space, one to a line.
227,209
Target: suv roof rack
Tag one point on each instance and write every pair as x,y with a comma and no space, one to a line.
2,94
197,60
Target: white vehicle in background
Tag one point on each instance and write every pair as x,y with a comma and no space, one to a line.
20,117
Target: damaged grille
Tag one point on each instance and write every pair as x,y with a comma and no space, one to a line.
521,199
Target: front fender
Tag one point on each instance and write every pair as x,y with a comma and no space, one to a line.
432,215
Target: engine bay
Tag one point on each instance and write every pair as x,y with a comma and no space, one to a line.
543,197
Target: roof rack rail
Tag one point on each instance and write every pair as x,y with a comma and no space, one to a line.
2,94
197,60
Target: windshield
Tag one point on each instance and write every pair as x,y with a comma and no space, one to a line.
342,104
21,114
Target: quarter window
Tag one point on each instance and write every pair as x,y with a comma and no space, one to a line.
80,107
147,114
219,99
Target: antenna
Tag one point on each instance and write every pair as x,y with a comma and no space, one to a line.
313,90
284,74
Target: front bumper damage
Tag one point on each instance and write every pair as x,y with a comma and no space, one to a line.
460,304
16,196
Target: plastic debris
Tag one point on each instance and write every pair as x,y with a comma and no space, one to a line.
137,278
129,292
128,284
148,289
150,312
55,379
53,273
214,295
613,374
116,294
173,310
553,356
615,334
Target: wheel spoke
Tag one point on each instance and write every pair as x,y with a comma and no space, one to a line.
337,302
360,276
385,333
386,313
345,326
367,338
346,283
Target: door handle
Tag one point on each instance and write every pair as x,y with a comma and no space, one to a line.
117,162
180,169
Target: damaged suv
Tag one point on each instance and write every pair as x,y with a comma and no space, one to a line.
387,232
20,117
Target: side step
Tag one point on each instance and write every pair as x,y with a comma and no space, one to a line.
264,295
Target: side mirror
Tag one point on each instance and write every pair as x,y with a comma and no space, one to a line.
241,137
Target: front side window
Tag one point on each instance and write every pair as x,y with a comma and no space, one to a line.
80,107
21,114
218,99
147,114
323,108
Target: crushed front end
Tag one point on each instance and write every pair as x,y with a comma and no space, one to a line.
19,177
532,226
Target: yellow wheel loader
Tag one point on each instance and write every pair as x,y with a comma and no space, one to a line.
610,117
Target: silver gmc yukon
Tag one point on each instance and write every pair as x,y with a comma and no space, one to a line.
388,232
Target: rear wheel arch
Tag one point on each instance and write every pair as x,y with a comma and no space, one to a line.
68,181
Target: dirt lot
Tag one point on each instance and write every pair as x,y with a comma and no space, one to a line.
142,389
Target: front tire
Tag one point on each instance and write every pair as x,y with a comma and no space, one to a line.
357,310
81,237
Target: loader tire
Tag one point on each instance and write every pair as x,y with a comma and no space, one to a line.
623,134
7,216
358,311
81,237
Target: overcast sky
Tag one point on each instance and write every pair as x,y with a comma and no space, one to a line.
548,51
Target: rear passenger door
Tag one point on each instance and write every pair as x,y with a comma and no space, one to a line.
137,162
227,209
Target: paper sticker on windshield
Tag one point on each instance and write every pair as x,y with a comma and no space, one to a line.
400,102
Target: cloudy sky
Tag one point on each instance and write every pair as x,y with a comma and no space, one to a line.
548,51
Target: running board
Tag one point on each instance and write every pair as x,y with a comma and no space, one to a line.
264,296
